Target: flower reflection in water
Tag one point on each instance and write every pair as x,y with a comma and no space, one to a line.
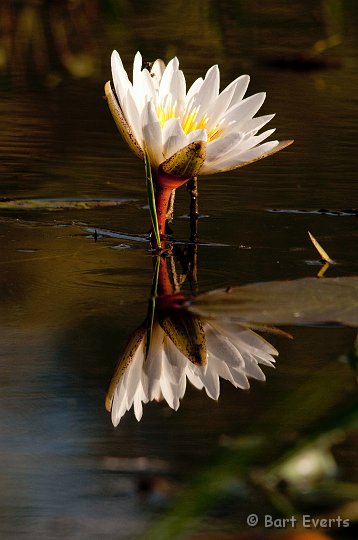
183,347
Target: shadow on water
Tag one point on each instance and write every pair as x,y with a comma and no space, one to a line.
76,269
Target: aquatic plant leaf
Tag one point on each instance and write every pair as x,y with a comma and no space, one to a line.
324,255
58,204
187,161
121,123
187,333
298,302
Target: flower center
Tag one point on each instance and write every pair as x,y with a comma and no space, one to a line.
189,122
166,111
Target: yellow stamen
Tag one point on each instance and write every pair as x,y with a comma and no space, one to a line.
190,122
214,133
165,112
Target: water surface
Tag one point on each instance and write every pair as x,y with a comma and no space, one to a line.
69,303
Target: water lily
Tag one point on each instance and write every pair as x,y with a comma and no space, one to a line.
212,351
187,132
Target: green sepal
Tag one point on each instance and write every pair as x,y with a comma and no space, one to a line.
121,123
123,364
187,333
187,161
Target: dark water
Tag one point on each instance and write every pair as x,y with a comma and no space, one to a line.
69,303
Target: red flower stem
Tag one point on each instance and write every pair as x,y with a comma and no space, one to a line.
167,299
162,196
165,286
164,185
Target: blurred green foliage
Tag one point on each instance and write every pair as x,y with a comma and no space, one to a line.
288,469
48,39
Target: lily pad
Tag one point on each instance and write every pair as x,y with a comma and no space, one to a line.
58,204
304,301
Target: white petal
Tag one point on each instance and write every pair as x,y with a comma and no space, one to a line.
219,106
152,367
138,407
169,390
156,72
222,348
176,361
149,92
257,342
243,144
264,359
172,375
245,337
119,405
137,70
235,160
174,137
252,369
252,347
193,377
193,90
116,60
254,124
166,82
240,378
173,86
120,77
253,140
197,135
240,84
170,393
133,116
211,381
221,368
182,386
244,111
132,377
209,90
152,134
257,151
217,148
178,91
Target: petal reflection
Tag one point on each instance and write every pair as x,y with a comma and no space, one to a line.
232,353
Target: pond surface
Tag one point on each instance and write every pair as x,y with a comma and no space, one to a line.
69,303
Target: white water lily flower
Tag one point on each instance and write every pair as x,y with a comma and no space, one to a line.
232,353
158,113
